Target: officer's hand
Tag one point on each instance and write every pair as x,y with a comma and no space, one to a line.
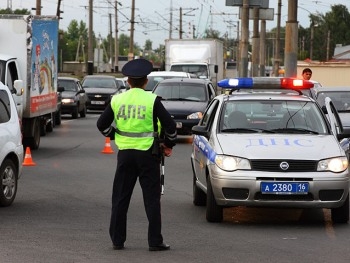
167,151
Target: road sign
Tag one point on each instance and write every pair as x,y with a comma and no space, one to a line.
264,14
252,3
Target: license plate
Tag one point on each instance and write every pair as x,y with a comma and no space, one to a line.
284,188
178,125
96,102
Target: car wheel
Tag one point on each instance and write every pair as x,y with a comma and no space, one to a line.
33,141
51,123
75,113
199,197
58,117
214,212
83,112
8,179
341,214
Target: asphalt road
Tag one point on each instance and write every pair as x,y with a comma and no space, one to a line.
62,209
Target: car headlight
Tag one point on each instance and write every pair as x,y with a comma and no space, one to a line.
195,115
335,165
66,101
230,163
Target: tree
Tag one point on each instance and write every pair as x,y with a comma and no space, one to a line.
70,40
148,44
17,11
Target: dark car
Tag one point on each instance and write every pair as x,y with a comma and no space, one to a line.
340,97
186,100
73,96
99,89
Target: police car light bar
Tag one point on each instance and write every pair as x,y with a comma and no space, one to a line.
265,83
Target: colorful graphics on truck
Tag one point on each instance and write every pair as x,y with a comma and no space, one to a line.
44,64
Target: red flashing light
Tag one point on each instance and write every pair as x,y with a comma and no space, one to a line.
293,83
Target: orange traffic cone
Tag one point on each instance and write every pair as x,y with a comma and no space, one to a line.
107,149
28,161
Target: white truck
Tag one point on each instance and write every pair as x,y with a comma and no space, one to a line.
203,57
28,66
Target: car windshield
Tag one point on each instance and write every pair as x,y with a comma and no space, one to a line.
340,99
154,80
199,70
272,117
99,83
68,85
181,91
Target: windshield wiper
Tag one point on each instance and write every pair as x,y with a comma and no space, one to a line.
294,130
179,99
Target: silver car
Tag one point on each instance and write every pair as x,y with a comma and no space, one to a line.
270,148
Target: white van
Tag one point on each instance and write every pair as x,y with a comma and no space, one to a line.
156,76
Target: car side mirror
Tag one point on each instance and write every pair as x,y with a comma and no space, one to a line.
324,109
200,130
60,89
18,87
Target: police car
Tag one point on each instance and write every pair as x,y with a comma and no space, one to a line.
266,144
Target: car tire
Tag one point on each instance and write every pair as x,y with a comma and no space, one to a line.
58,117
199,197
214,212
75,113
341,214
8,179
83,112
51,124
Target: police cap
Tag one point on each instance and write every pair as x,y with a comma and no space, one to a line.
137,68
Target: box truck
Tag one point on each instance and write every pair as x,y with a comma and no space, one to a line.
28,66
203,57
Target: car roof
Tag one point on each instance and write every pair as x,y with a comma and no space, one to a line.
68,78
99,76
265,94
169,73
339,88
186,80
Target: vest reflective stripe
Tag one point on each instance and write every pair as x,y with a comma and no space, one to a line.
138,134
133,115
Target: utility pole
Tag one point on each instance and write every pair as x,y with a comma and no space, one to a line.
328,40
278,40
255,44
291,45
38,8
58,12
171,20
116,43
132,22
90,42
180,30
262,48
9,4
243,66
111,43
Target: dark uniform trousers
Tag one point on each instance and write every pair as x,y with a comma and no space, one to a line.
131,165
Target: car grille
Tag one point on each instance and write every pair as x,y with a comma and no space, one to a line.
275,165
99,97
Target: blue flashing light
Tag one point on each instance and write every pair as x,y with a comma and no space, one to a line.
265,83
236,83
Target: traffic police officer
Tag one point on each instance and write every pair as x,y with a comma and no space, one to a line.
137,114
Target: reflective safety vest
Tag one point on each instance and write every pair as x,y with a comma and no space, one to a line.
133,115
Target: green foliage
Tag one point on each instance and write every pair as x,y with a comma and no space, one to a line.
17,11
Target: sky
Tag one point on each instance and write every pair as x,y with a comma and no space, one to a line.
152,16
